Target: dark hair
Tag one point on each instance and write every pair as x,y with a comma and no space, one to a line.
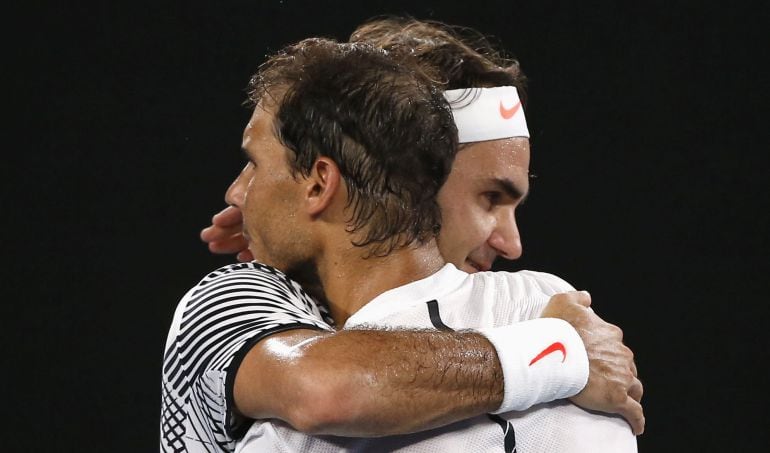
385,124
459,57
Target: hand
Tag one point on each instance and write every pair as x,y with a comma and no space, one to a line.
613,385
225,235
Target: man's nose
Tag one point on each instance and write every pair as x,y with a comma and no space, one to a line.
505,238
236,193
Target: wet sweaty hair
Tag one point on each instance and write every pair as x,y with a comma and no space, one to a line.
386,125
458,57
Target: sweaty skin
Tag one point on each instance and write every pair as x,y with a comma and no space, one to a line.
487,182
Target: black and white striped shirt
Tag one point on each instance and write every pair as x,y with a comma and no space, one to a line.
214,326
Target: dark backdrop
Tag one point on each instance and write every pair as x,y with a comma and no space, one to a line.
650,192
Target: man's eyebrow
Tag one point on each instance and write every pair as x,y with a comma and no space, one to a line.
507,186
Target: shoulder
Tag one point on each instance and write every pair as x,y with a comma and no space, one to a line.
545,282
245,292
526,282
248,272
235,304
247,277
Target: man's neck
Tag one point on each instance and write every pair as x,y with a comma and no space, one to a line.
350,281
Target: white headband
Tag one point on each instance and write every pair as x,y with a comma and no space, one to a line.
487,113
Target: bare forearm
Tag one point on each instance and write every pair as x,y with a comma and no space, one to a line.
376,383
434,377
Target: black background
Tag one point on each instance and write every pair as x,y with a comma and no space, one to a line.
124,134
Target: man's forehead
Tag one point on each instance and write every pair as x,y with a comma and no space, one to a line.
496,157
259,120
504,145
496,165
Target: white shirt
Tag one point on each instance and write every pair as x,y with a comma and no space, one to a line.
465,301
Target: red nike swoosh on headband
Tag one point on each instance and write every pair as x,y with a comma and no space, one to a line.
508,113
551,349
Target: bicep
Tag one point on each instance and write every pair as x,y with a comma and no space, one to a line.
269,378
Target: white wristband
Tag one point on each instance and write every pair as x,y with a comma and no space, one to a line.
542,359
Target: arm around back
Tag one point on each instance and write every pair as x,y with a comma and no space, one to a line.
362,382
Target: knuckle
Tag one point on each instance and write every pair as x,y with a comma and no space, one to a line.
627,355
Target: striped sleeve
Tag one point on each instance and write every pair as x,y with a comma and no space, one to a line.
214,326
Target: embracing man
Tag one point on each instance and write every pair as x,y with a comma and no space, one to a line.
348,151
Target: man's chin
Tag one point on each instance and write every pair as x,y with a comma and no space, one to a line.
259,256
470,266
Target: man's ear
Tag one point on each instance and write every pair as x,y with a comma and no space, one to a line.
324,182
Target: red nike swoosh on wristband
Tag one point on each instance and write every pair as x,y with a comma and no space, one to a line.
550,349
508,113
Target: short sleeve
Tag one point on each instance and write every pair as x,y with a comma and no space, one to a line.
214,326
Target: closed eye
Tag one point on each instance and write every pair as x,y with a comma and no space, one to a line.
494,198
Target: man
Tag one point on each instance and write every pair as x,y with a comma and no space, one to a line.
342,315
478,205
363,166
